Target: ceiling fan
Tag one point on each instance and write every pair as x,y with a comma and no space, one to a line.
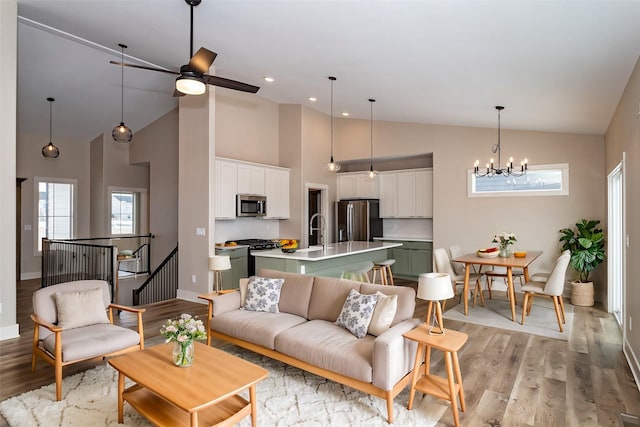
192,77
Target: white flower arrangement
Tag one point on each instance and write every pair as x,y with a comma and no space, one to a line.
504,239
184,329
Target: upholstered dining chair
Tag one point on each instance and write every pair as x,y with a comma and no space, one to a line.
73,322
552,288
542,276
442,264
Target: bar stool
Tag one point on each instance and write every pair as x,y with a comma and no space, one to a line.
384,267
360,272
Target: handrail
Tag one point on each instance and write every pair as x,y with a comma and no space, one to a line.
162,284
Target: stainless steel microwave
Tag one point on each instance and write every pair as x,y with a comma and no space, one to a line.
251,205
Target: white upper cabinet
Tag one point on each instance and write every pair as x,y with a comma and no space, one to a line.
357,185
226,189
406,194
250,179
276,183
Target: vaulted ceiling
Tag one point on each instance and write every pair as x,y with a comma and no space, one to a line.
556,65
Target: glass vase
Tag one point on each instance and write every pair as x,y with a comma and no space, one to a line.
183,353
505,252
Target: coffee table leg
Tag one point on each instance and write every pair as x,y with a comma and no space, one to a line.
120,398
194,419
252,399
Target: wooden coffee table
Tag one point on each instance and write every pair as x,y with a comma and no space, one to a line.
206,393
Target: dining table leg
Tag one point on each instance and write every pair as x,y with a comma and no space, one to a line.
465,288
512,294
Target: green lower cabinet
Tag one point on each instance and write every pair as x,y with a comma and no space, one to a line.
239,266
412,259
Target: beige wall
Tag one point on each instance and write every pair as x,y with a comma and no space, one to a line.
96,187
157,146
623,136
290,121
8,78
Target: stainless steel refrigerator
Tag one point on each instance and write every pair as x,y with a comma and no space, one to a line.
358,220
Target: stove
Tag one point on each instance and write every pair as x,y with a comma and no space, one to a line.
255,245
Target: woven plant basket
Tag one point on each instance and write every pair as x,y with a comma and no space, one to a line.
582,294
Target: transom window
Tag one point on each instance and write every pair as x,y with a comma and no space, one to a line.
540,180
55,209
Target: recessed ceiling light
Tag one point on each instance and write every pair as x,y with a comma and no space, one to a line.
312,99
345,114
269,79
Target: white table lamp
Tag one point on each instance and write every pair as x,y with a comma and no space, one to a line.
435,287
218,264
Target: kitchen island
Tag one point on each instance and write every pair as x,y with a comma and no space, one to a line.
329,262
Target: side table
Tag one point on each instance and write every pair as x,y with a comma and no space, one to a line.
443,388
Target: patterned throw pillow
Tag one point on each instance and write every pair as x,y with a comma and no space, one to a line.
357,312
263,294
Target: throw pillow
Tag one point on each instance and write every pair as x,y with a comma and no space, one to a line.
80,308
244,284
263,294
383,314
357,312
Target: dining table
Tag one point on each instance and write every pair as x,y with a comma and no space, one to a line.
509,262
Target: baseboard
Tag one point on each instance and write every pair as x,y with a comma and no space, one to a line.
30,275
190,296
9,332
632,360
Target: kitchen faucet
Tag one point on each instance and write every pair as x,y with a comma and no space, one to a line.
321,228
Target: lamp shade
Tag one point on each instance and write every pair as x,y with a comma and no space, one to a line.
219,263
434,287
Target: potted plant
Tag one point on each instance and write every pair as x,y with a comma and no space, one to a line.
586,243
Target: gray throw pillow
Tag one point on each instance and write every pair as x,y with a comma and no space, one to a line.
80,308
263,294
357,312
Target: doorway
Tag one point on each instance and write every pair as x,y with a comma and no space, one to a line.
314,206
617,242
316,202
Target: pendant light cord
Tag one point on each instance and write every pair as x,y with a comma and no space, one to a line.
122,46
371,101
50,119
331,114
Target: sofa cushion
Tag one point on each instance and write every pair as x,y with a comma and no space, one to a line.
254,326
406,299
92,341
263,294
327,345
296,291
356,313
383,314
328,296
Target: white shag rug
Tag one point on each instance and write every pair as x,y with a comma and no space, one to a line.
287,397
497,314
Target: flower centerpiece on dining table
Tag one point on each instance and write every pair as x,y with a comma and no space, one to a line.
183,331
504,239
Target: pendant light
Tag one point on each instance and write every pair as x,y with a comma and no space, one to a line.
50,151
332,166
122,133
492,171
372,173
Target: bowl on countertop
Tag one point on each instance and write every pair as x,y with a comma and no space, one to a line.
288,246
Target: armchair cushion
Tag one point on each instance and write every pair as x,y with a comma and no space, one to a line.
92,341
80,308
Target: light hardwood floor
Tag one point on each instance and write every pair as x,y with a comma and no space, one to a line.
510,378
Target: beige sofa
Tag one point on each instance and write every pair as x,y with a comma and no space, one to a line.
304,333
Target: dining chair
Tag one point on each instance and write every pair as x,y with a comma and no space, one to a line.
501,272
442,264
552,288
542,276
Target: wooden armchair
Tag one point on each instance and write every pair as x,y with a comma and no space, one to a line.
74,322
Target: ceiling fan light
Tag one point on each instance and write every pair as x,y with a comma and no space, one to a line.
190,85
122,133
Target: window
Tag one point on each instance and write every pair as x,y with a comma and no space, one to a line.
55,209
540,180
124,208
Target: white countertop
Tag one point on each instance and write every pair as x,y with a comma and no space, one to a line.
334,250
228,248
407,239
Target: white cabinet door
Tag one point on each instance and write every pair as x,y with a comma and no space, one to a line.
346,186
424,194
388,195
406,194
226,189
277,191
367,188
250,179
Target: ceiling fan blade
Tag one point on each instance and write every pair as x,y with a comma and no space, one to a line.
229,84
142,67
202,60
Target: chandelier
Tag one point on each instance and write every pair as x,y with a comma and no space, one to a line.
492,168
